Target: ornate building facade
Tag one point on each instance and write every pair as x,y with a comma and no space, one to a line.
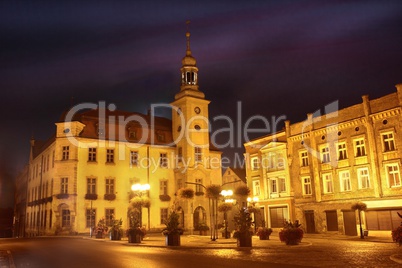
86,170
329,162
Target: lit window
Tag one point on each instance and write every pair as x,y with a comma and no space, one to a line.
65,153
110,156
363,178
163,160
342,151
179,154
282,185
255,163
274,186
163,187
388,141
164,215
328,183
256,187
360,148
109,216
393,175
64,186
90,216
109,186
91,186
197,154
325,154
134,158
304,159
91,154
344,179
198,186
306,186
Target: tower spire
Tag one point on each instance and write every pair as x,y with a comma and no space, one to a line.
188,51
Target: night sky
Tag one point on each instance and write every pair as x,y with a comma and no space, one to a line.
278,58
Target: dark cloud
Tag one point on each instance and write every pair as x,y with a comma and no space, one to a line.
277,58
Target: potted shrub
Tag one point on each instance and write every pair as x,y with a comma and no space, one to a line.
135,233
101,228
203,228
291,233
397,235
172,231
264,233
243,222
115,230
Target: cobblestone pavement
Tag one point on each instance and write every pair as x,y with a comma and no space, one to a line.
315,250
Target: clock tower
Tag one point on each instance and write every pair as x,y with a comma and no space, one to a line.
190,126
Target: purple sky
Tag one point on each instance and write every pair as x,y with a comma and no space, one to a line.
276,57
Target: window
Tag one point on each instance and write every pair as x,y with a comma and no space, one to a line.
65,153
163,161
179,154
342,151
274,186
304,159
90,216
109,215
160,137
393,175
363,178
53,159
91,186
132,134
163,189
91,154
164,215
256,188
47,162
110,156
134,158
306,186
388,141
360,149
344,179
64,186
109,186
282,185
197,154
198,186
255,163
328,183
65,218
325,154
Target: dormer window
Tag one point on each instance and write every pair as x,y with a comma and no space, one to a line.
160,137
132,134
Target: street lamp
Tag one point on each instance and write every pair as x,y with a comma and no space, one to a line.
139,190
226,196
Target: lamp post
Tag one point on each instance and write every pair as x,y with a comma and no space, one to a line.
226,196
139,190
253,201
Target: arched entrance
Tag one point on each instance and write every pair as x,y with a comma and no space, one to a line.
200,215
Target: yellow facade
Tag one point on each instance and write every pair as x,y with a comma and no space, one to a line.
334,160
85,172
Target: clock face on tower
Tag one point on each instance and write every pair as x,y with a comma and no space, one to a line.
197,110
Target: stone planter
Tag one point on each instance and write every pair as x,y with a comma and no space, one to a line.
264,237
115,235
100,235
244,240
172,240
134,237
